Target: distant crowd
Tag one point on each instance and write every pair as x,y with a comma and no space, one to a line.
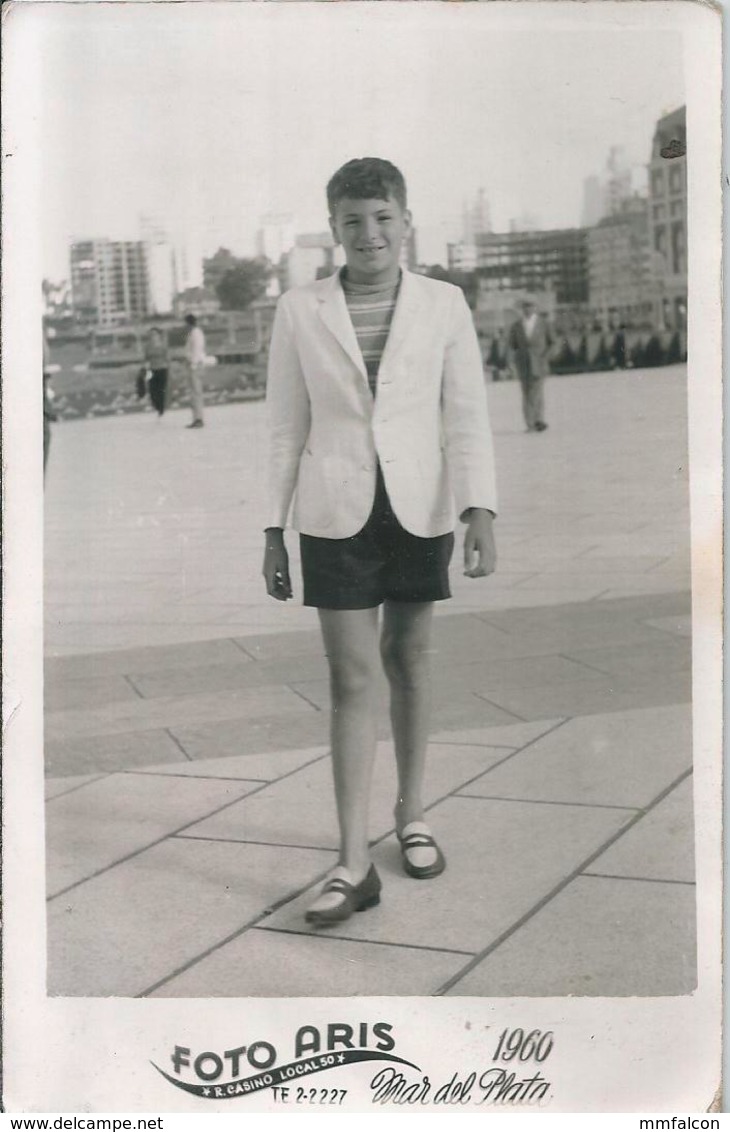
594,349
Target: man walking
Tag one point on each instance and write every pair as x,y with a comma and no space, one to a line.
529,342
195,359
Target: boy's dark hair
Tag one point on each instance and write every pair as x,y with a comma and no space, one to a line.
366,178
191,319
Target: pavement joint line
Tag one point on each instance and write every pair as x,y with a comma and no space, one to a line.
523,581
290,897
658,565
193,777
453,793
644,880
484,699
78,786
243,649
174,832
238,932
549,802
178,744
585,664
359,939
132,685
461,743
563,884
251,841
303,697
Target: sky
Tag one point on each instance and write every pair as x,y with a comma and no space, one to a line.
210,116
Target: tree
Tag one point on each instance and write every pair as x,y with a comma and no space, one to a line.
243,283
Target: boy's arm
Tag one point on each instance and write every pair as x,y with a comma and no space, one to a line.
467,431
288,410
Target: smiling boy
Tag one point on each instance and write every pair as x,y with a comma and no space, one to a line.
379,432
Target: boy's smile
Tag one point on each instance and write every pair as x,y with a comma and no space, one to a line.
371,232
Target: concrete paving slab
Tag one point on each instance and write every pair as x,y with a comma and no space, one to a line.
651,584
612,693
155,658
502,858
107,753
60,694
54,787
264,767
265,734
71,641
670,655
576,614
597,937
99,824
680,626
578,577
217,677
196,893
283,646
174,711
614,759
514,735
659,847
268,964
300,810
451,702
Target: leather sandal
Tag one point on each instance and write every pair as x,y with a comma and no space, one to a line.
355,898
416,835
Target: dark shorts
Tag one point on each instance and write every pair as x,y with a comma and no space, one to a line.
382,562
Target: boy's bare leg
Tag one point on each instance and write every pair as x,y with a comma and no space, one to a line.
405,647
350,640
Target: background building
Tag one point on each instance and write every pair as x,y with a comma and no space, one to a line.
476,217
554,261
668,215
160,264
461,256
314,256
620,266
109,281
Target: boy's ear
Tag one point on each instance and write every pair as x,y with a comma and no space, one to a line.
408,217
333,230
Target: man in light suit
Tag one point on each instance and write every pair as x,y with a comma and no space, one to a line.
379,435
530,342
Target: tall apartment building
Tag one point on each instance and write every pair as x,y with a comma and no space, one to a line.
160,264
668,214
109,280
620,265
549,261
313,256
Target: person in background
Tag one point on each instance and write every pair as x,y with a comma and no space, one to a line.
497,359
195,360
158,361
529,344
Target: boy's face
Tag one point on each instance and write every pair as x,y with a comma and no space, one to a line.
371,232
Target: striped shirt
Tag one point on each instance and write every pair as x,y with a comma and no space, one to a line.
371,307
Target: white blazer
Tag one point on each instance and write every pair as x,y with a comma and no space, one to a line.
428,424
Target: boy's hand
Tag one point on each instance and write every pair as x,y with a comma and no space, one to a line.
480,552
276,567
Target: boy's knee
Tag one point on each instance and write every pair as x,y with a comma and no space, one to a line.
405,663
350,678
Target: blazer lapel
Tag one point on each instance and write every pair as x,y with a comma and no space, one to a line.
336,317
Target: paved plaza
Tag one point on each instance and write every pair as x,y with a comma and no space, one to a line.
190,813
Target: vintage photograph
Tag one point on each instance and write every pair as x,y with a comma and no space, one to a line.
362,575
367,590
